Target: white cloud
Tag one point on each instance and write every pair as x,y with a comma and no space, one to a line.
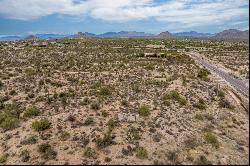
184,12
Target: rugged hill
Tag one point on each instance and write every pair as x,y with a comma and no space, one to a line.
165,35
232,34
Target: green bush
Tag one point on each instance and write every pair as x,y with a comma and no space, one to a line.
3,158
105,91
199,117
211,139
141,153
41,125
95,105
173,157
12,92
221,93
223,103
203,74
105,141
30,72
1,84
31,112
150,67
9,117
89,121
200,104
29,141
89,152
202,160
64,136
47,152
8,121
191,143
107,159
111,124
133,134
144,111
174,95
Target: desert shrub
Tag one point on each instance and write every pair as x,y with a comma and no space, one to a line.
105,91
211,139
12,92
89,152
136,88
13,110
1,84
150,67
89,121
174,95
111,124
172,156
202,160
64,136
30,72
223,103
85,101
9,117
200,104
31,112
107,159
104,114
144,111
95,105
191,143
41,125
64,101
199,117
29,141
124,102
25,155
8,122
221,93
47,152
133,134
203,74
141,153
105,141
3,158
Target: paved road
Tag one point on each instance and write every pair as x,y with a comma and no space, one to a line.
236,83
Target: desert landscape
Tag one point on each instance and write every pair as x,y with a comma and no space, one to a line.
96,101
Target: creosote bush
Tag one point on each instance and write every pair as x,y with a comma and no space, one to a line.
31,112
141,153
211,139
144,111
3,158
203,74
89,121
105,141
9,117
47,152
174,95
105,91
41,125
89,152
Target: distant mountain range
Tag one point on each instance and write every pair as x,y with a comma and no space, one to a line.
227,34
193,34
9,38
233,34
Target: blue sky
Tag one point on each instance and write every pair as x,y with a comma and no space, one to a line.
22,17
